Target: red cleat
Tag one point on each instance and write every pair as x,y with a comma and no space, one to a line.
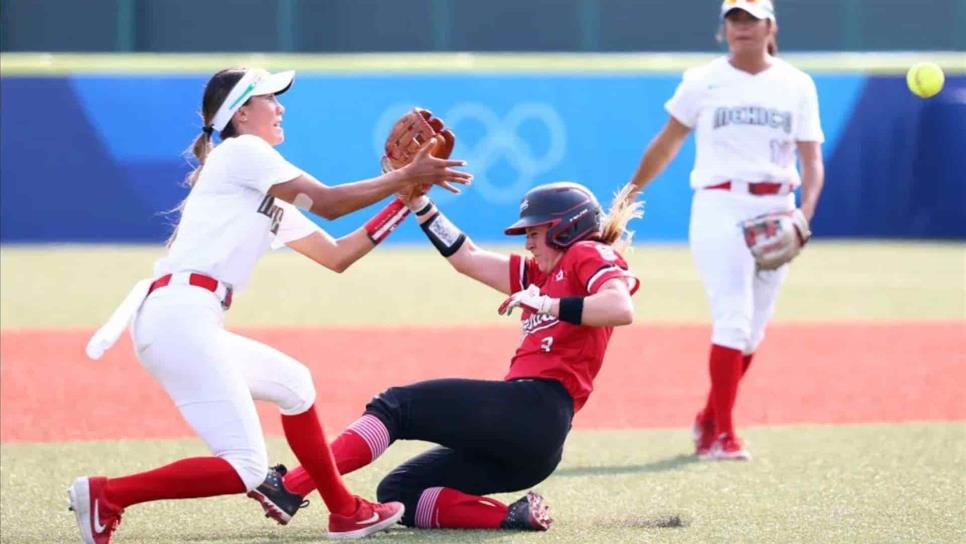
728,447
369,518
97,519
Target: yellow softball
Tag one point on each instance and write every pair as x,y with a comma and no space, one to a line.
925,79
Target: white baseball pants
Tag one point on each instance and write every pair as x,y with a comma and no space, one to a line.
213,375
741,299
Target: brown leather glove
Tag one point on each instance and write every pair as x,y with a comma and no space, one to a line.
407,137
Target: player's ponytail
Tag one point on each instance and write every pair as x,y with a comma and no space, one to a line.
200,149
216,91
614,230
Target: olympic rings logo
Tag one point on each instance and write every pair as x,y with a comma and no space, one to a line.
501,140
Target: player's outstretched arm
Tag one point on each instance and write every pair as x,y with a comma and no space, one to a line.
336,254
466,257
332,202
662,149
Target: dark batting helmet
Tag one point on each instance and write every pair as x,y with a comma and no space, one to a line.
569,208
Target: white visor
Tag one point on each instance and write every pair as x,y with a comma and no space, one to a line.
253,83
759,9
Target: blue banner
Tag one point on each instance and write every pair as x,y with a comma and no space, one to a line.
100,159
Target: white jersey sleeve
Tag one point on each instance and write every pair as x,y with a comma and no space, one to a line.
810,126
685,104
255,164
293,226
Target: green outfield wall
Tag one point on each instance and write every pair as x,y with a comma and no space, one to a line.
464,25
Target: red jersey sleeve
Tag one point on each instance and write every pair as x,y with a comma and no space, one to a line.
523,272
595,263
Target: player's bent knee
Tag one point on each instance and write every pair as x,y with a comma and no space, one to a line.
386,405
399,485
301,395
390,488
302,398
252,467
393,488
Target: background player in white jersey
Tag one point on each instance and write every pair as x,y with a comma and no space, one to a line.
240,204
751,112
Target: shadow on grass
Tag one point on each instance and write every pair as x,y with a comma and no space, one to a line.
671,463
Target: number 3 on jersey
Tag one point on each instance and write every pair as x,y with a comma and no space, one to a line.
546,343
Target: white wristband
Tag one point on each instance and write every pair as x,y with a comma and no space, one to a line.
419,204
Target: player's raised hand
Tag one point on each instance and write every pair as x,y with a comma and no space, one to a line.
530,298
419,145
426,168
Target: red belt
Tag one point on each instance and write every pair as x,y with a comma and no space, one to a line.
757,188
198,280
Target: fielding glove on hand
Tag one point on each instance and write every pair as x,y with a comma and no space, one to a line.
776,238
408,135
530,298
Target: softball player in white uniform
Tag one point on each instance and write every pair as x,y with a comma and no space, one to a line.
239,206
751,112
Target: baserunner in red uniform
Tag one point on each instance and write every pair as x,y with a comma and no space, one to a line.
499,436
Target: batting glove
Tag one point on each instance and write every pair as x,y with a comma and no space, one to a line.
530,298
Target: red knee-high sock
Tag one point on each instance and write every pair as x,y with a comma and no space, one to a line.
298,480
360,444
725,366
707,414
444,507
746,362
350,452
307,440
184,479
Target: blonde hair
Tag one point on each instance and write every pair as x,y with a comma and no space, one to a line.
623,209
216,90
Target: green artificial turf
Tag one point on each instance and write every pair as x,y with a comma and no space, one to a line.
79,286
901,483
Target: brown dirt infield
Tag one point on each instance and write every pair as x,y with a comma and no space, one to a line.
654,376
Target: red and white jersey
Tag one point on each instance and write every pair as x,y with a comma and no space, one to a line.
554,349
747,125
229,220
